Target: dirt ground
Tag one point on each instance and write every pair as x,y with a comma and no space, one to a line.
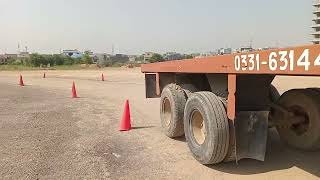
44,134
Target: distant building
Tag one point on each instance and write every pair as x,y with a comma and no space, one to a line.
223,51
132,58
93,56
94,59
12,56
103,58
3,59
24,55
203,55
266,48
316,20
120,58
72,53
147,56
246,49
169,56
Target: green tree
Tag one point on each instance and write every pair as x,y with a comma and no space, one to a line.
68,60
86,59
58,59
140,58
156,58
77,60
50,59
188,56
37,59
13,61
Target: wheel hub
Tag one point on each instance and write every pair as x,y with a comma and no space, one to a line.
300,120
167,112
198,127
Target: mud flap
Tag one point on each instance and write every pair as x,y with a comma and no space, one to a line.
251,134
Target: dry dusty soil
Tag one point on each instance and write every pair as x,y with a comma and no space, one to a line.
44,134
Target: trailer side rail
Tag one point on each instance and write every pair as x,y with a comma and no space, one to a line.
304,60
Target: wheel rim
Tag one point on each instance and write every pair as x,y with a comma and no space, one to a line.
198,127
166,111
302,120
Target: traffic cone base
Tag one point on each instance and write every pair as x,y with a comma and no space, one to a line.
102,77
21,83
125,124
74,91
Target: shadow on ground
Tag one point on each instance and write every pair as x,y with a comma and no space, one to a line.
181,138
142,127
278,157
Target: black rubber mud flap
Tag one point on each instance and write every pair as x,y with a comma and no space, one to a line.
251,134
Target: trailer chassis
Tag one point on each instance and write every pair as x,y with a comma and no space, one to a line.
242,82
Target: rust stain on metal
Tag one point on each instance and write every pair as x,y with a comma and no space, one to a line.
231,108
157,84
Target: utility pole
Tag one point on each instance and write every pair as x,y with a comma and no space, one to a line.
18,48
251,42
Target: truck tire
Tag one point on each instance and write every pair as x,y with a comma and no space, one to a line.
316,90
189,89
305,134
231,154
273,94
206,127
172,105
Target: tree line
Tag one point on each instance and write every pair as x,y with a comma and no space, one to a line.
37,60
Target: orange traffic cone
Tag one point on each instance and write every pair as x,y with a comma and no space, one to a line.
44,75
125,124
21,81
102,77
74,91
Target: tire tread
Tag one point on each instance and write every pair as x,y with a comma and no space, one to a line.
220,121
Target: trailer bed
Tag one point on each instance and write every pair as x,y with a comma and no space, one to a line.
303,60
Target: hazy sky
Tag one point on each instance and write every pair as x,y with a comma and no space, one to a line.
135,26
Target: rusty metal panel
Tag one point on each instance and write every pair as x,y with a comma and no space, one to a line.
304,60
158,84
231,108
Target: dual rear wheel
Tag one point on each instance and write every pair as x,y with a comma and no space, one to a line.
201,117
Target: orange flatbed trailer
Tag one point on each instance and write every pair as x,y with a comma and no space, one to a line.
231,64
242,80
